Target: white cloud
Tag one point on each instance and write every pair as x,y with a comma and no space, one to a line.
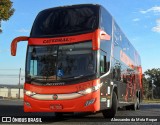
155,9
23,30
136,19
157,27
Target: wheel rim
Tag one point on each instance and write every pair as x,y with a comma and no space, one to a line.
137,103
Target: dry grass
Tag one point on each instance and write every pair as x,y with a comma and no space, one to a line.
151,101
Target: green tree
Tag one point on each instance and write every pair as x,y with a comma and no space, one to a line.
6,11
152,77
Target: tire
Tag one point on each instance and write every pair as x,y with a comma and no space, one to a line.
110,113
128,107
136,104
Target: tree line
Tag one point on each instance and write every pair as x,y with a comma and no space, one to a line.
151,83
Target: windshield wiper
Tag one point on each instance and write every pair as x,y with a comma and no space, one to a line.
36,78
78,76
72,77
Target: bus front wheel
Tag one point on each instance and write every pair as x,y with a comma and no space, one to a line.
110,113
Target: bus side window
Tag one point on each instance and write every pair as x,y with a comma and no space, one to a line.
117,71
124,78
103,64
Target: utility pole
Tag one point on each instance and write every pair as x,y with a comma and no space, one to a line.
152,88
19,83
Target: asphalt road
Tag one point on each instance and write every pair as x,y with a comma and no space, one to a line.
148,114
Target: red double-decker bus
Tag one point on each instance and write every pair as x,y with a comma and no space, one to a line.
79,60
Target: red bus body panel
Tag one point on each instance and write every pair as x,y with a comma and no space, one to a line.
72,105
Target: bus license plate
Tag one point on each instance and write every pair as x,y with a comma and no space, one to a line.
56,106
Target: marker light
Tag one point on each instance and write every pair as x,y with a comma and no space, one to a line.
27,104
29,93
89,102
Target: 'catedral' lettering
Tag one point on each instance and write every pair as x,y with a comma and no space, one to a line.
57,40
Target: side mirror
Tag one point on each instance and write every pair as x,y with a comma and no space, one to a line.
14,44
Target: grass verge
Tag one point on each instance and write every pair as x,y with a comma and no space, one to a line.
151,101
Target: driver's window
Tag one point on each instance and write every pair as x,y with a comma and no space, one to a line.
33,67
103,64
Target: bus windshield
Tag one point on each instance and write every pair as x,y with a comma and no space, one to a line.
60,62
66,20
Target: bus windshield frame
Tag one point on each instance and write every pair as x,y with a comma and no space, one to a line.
60,63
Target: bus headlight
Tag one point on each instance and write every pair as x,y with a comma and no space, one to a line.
29,93
90,90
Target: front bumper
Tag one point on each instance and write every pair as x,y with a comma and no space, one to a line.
86,103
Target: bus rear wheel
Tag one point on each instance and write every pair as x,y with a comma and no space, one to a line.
110,113
135,106
138,104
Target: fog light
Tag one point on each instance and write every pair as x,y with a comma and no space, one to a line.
29,93
89,102
27,104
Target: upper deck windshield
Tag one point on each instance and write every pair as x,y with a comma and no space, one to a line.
65,21
60,62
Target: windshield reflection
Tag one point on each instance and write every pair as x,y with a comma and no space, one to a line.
60,62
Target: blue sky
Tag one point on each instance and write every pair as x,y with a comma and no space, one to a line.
138,19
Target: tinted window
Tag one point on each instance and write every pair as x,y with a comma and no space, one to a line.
104,65
106,25
60,62
66,20
118,35
106,21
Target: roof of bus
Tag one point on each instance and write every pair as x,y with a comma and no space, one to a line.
70,6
